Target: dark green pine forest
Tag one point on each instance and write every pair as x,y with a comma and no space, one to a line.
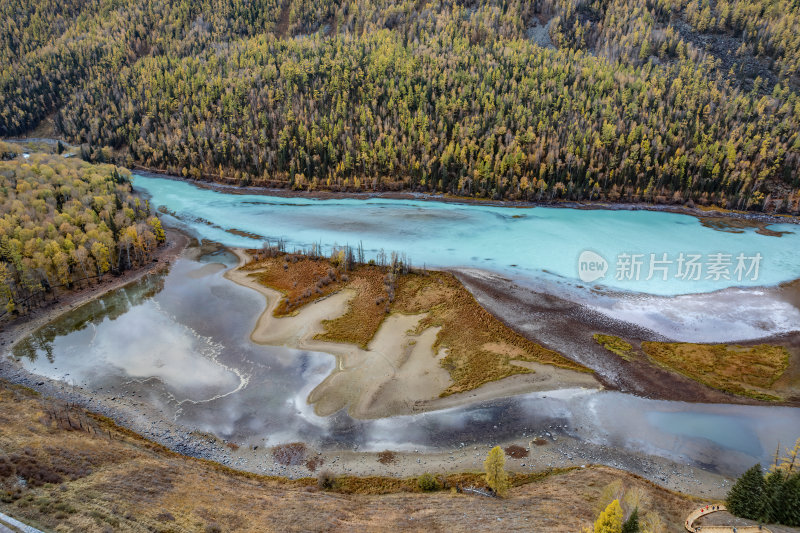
665,101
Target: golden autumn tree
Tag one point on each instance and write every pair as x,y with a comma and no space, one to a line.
496,476
65,222
610,520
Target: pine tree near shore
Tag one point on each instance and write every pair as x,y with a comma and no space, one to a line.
771,499
772,506
746,497
496,476
790,502
631,525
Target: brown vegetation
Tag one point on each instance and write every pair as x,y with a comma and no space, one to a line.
291,454
516,451
301,279
386,457
314,462
745,370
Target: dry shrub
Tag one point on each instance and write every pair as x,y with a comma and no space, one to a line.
32,469
68,418
6,467
386,457
516,451
302,280
326,480
77,463
374,485
146,484
291,454
11,495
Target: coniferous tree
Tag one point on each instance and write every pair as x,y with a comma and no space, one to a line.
773,495
746,497
789,503
459,102
631,525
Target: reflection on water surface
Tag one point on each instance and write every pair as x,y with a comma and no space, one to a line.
180,344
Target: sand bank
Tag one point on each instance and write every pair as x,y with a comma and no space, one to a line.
399,372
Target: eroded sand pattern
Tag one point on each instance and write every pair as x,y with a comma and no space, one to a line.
398,373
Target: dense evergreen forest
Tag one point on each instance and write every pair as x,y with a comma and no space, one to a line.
667,101
65,223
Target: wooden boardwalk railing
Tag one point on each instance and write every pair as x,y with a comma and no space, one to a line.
708,509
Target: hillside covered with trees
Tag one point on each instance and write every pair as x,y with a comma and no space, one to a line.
674,101
65,223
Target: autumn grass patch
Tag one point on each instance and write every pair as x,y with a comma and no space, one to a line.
365,312
615,345
478,348
744,370
300,279
392,485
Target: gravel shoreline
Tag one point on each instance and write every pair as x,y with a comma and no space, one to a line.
560,449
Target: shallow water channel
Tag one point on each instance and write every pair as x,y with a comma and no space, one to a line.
648,280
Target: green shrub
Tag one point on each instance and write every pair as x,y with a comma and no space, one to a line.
615,345
427,482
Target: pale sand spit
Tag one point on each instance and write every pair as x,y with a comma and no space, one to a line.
398,373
